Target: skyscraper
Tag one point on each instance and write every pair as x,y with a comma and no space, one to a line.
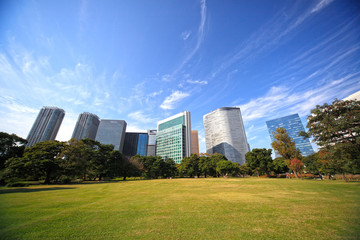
135,144
151,146
86,126
293,126
112,132
194,142
173,139
225,134
46,125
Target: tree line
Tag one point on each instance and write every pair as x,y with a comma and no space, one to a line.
87,159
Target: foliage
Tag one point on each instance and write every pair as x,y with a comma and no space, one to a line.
280,165
338,122
11,145
284,144
297,166
336,129
190,166
155,167
260,161
41,161
226,167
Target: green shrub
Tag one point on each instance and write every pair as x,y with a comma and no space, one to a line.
17,184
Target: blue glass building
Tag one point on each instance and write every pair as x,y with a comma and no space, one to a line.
135,144
293,126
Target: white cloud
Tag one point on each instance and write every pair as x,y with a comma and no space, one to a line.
154,94
166,78
140,116
321,4
197,82
171,100
185,35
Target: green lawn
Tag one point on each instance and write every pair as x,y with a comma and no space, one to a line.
249,208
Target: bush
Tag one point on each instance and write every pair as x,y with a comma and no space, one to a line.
17,184
65,180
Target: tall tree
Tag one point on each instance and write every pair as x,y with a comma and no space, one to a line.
297,166
336,129
11,146
260,161
285,145
41,161
75,159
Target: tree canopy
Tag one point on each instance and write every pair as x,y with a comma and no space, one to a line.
284,144
260,161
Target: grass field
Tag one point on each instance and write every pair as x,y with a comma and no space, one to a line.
250,208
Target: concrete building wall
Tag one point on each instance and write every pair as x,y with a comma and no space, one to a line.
225,134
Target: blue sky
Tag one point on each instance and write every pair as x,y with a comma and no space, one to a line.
143,60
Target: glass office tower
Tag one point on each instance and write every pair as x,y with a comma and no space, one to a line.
225,134
86,126
173,139
112,132
135,144
293,126
46,125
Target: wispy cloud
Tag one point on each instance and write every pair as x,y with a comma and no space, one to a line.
267,38
141,117
185,35
175,97
200,38
197,82
281,101
320,5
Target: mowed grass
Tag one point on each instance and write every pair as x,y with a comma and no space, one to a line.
250,208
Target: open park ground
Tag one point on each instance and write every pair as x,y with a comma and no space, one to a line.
233,208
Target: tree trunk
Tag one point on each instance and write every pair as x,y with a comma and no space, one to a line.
343,174
124,179
47,178
296,174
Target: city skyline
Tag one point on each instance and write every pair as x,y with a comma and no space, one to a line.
144,61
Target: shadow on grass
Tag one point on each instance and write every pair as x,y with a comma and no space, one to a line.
25,190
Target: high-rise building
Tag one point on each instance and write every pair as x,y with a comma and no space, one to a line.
225,134
293,126
354,96
173,139
112,132
151,146
194,142
46,125
86,126
135,144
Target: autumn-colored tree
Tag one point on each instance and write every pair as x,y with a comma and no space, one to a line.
297,166
285,145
